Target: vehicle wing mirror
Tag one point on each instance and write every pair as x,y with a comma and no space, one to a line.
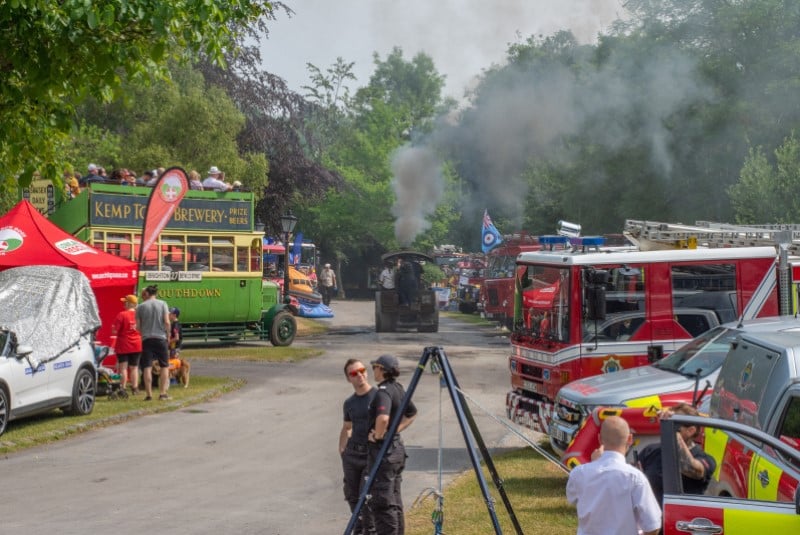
655,353
23,350
596,294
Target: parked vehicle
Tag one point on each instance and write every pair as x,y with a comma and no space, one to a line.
683,376
47,359
496,301
755,512
572,282
207,261
758,386
410,305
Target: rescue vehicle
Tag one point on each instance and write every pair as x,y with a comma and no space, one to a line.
758,386
572,298
497,292
773,459
686,375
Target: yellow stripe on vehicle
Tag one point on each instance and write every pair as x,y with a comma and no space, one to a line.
647,401
741,522
715,443
757,490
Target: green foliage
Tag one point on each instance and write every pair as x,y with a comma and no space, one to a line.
767,192
53,55
179,121
89,141
401,98
431,274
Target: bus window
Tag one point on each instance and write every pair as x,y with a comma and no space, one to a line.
243,259
198,257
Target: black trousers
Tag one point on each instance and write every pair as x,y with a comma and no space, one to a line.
386,503
354,467
327,294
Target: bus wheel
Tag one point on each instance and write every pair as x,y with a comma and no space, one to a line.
283,329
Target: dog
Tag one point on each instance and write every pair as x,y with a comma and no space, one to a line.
179,369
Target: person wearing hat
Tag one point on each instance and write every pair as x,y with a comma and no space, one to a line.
73,187
128,344
215,181
93,175
353,439
327,284
386,504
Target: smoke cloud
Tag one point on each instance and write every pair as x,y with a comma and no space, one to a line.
531,117
418,185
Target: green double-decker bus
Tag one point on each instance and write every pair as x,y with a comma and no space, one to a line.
207,261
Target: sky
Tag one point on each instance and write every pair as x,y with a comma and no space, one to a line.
463,37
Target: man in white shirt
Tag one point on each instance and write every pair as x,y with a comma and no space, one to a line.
611,495
386,278
214,181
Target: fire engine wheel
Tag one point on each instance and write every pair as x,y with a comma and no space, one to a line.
467,308
283,329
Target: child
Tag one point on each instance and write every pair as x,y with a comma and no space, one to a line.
175,334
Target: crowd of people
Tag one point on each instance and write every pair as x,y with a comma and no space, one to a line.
146,331
214,181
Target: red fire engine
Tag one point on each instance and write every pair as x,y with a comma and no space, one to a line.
582,310
497,291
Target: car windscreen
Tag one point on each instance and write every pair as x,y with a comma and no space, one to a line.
702,355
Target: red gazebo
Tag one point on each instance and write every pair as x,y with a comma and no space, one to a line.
27,238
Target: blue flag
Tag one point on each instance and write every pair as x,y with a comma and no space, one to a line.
490,237
296,250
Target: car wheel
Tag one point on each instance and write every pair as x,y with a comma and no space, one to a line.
4,410
283,329
83,393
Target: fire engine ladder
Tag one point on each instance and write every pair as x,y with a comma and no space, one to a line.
654,235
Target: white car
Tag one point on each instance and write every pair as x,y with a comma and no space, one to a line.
48,319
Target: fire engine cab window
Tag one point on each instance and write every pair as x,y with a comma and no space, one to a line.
624,306
545,302
708,286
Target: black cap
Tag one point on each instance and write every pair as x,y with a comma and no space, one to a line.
175,310
387,362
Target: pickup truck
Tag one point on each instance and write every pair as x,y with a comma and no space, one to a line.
758,386
758,389
691,513
683,376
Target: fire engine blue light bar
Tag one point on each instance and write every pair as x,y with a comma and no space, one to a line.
588,241
553,240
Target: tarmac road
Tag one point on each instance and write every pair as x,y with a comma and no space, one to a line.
262,459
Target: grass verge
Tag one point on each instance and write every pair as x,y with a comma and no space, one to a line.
534,487
474,319
53,426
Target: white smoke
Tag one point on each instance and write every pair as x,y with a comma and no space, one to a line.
418,185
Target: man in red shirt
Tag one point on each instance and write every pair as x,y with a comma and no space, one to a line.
128,345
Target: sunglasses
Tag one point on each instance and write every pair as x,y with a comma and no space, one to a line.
377,366
357,372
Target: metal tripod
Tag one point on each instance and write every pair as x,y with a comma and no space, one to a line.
469,429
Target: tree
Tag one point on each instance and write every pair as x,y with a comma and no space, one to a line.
767,192
53,55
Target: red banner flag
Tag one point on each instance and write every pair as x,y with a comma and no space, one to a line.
164,200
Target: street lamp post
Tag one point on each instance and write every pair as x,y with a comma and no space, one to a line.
288,221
